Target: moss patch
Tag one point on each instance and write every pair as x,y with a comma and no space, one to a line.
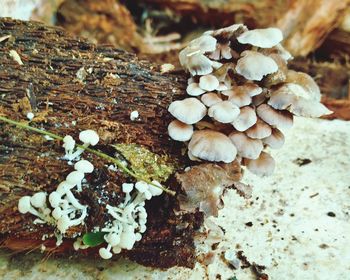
147,164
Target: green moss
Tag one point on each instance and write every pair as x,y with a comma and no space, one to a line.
145,163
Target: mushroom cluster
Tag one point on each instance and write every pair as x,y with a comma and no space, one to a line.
129,218
241,97
61,208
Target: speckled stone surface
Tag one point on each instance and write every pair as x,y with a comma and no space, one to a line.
297,222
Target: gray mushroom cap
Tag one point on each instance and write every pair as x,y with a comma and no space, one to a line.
254,65
212,146
189,110
262,38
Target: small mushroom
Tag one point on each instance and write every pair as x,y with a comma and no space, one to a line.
259,131
280,119
223,50
193,58
68,145
193,89
262,38
254,66
75,178
212,146
84,166
209,99
297,100
246,119
275,140
208,82
224,112
105,254
264,165
89,137
189,110
24,206
246,147
180,131
307,82
38,200
228,33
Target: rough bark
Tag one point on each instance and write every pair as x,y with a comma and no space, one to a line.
71,85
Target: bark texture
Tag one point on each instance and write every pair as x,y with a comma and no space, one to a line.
71,85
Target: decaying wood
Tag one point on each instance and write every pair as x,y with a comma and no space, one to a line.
71,85
103,22
307,23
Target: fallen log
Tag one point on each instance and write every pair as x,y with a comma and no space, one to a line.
64,85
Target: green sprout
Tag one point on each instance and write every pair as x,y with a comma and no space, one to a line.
98,153
93,239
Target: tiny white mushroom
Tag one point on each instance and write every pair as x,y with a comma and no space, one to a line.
134,115
127,187
68,145
277,118
275,140
84,166
154,190
209,99
189,110
89,137
246,119
180,131
260,130
262,38
75,178
262,166
24,205
208,82
254,66
38,200
224,112
246,147
212,146
105,254
30,116
55,199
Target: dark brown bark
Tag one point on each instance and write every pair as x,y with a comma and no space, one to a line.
52,85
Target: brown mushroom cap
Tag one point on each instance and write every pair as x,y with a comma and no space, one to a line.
180,131
275,140
264,165
208,82
246,147
210,99
280,119
212,146
224,112
306,81
259,131
189,110
246,119
297,100
193,89
254,65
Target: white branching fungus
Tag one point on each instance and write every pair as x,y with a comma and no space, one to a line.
68,145
128,219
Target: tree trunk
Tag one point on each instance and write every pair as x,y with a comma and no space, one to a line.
71,85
